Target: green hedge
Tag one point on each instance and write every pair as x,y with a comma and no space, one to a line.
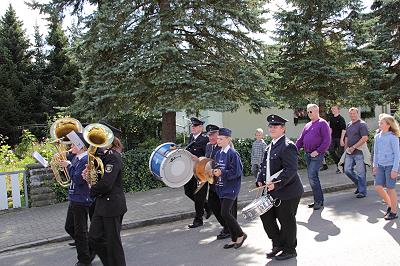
137,176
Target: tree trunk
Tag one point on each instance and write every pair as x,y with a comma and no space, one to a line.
168,128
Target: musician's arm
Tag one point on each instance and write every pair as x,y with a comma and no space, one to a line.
112,167
289,165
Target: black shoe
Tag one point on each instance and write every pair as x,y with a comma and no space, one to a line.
324,167
274,251
195,224
338,171
360,196
82,264
318,205
356,192
72,244
238,245
230,245
223,235
286,256
391,216
389,210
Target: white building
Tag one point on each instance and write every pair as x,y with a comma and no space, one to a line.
243,123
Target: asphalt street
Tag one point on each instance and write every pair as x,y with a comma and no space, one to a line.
348,231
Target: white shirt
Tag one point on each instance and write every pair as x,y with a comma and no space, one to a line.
268,173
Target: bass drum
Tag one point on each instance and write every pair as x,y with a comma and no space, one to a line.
170,165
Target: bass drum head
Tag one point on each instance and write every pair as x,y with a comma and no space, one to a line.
177,169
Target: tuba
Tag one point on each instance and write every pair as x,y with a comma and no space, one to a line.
59,131
98,136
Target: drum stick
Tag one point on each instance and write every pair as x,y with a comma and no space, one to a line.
265,185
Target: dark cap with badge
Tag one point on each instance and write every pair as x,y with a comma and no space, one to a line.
276,120
225,132
196,122
212,128
116,131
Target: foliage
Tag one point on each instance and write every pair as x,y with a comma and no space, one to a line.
319,58
165,56
137,176
17,104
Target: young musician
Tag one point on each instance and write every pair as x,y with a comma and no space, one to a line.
79,201
229,176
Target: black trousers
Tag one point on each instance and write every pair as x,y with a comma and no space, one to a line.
105,240
214,203
76,225
229,219
285,213
199,198
336,150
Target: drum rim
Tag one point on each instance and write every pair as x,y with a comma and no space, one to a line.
152,154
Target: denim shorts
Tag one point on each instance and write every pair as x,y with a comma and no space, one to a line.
382,177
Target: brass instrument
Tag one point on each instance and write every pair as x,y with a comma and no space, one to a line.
58,131
98,136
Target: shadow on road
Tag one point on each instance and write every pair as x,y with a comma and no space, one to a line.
323,227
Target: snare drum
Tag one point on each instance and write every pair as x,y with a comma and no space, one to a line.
257,207
172,166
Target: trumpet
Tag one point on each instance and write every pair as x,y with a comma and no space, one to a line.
98,136
59,131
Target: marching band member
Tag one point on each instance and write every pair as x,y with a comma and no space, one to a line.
214,201
229,175
281,154
197,146
79,201
110,207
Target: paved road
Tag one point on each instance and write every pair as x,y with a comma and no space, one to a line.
36,226
347,231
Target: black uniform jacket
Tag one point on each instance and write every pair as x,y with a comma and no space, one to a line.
283,156
110,197
197,146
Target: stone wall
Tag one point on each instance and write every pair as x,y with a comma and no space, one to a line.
40,181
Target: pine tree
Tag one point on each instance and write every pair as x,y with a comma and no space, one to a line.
386,44
63,74
171,55
319,59
15,72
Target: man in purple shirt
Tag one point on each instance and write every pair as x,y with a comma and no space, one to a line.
315,139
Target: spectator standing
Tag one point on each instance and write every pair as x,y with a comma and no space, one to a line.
257,152
338,130
315,139
386,163
355,143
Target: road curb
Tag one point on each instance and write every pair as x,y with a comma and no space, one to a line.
162,220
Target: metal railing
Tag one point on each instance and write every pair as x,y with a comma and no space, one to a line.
15,189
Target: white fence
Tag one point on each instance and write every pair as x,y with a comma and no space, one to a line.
15,189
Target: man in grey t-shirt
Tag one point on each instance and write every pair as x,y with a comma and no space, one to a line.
354,166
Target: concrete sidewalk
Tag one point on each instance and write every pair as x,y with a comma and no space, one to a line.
37,226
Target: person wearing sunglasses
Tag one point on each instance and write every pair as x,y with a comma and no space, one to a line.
315,139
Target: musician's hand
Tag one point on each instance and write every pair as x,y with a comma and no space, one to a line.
260,184
217,172
85,173
64,163
270,186
195,158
